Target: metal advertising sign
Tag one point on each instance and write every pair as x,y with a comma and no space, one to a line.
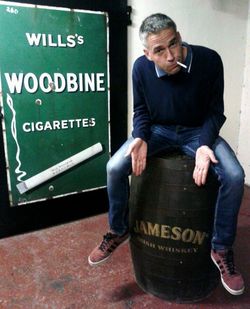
54,83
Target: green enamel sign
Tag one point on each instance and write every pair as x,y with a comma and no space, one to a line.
54,83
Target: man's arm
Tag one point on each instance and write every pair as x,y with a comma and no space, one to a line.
212,125
141,117
141,125
215,113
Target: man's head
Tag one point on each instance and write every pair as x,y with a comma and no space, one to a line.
162,42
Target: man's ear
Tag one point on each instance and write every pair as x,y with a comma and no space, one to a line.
146,53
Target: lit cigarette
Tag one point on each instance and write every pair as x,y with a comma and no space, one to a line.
181,64
58,168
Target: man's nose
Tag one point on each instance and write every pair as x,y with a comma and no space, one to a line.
169,55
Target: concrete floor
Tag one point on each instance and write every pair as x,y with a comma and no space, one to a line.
48,269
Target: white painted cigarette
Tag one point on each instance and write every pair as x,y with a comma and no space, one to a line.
58,168
181,64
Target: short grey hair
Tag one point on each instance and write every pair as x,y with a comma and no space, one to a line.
154,24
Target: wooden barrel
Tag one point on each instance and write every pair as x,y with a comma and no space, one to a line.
171,221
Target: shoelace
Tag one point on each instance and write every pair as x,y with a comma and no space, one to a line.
106,240
228,259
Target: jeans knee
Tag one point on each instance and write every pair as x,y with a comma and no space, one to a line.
236,177
110,168
117,168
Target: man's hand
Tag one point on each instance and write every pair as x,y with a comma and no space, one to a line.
202,161
138,151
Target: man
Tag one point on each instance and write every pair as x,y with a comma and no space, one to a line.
178,103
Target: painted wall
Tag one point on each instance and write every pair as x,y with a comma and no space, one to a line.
244,137
222,25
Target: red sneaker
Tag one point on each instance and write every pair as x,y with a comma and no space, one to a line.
230,278
104,250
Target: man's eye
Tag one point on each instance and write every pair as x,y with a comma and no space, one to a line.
173,44
159,51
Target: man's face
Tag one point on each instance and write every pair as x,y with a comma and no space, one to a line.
164,49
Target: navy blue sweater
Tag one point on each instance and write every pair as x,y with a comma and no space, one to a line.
193,99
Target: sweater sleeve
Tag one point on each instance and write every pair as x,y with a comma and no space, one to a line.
141,117
215,117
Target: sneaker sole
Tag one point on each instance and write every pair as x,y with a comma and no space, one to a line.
91,263
233,292
99,262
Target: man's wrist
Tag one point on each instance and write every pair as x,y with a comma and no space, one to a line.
204,147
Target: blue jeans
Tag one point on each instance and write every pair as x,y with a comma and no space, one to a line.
163,138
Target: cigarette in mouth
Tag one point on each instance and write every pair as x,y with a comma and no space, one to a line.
181,64
58,168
